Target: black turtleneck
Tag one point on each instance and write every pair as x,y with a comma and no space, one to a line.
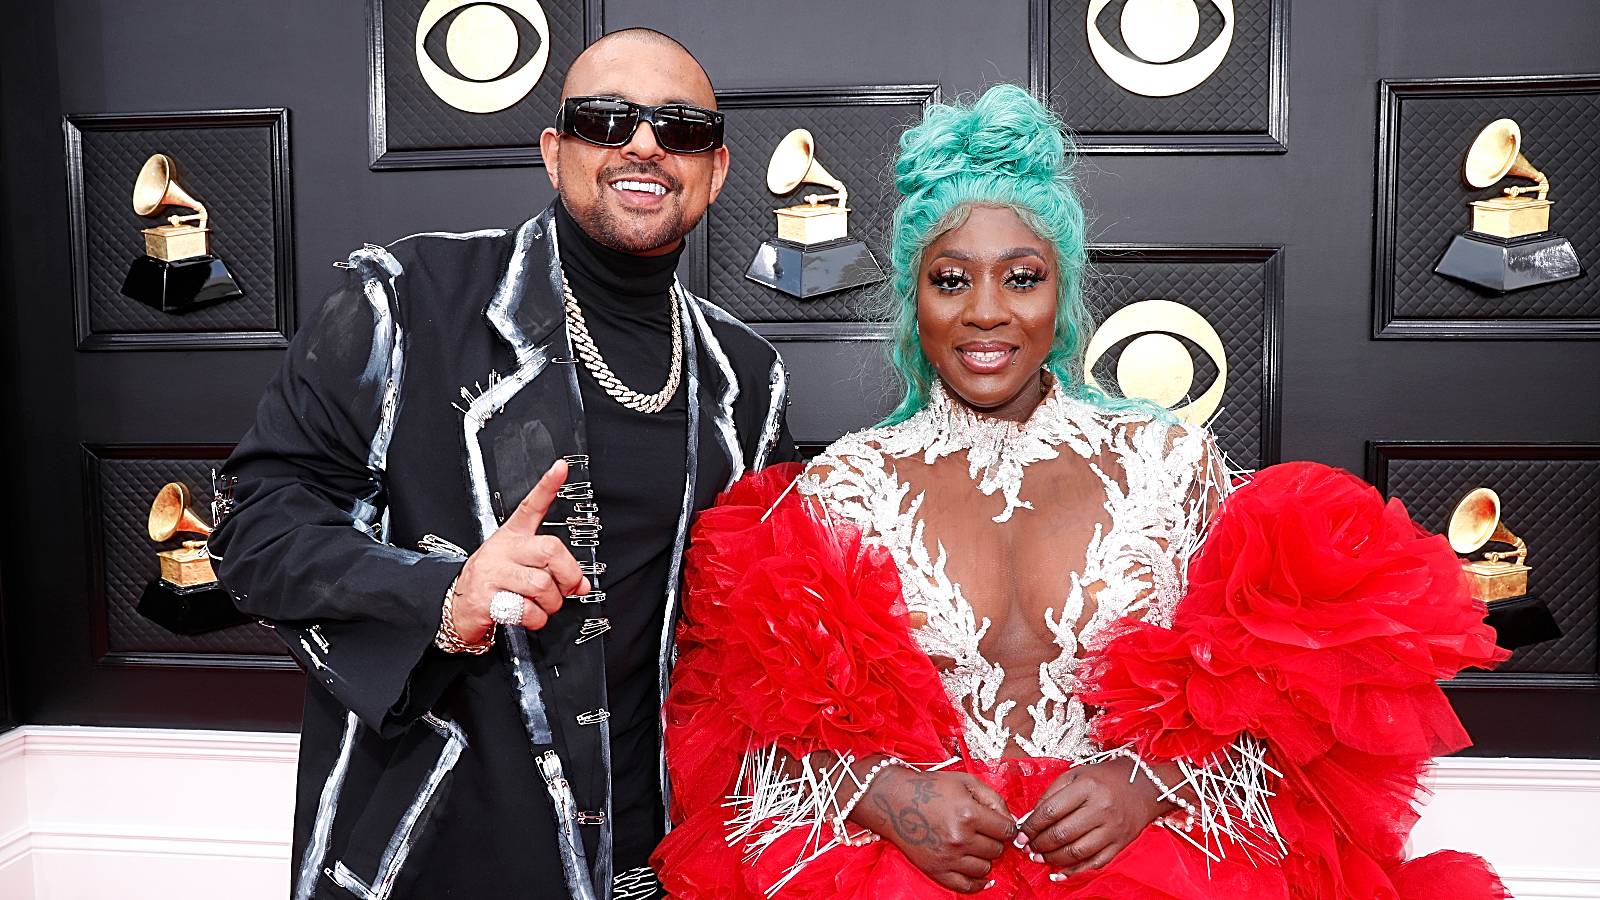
637,462
616,279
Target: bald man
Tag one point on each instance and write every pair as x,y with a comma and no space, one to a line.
464,505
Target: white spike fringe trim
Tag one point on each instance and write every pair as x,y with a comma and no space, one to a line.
778,793
1231,805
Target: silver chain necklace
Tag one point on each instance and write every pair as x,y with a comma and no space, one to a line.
584,346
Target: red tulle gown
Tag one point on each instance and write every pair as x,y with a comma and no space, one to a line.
1015,599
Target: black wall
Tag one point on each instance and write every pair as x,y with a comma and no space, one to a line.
1340,388
8,412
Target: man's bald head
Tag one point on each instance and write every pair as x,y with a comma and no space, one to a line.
588,73
637,197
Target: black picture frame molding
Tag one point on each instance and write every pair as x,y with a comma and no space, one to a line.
99,625
695,265
382,159
1275,139
1386,325
277,120
1270,258
1380,453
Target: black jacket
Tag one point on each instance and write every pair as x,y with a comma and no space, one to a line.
367,478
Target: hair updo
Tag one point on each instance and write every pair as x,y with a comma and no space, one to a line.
1006,149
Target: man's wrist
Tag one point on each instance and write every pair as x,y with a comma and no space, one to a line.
449,640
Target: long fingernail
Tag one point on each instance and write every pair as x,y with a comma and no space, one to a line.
1036,858
1058,876
989,885
1020,841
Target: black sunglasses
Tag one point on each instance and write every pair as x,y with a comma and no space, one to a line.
611,122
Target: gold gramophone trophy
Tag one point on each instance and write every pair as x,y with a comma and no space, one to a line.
1510,246
813,253
1475,523
187,568
186,598
178,271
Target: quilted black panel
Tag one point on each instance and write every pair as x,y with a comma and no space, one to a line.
1430,201
1239,297
124,488
416,119
1554,505
231,171
1236,99
856,142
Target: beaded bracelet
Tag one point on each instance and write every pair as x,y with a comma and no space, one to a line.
1165,793
861,791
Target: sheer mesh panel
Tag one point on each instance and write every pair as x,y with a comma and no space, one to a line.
1018,545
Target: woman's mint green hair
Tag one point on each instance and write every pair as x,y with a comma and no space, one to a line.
1006,149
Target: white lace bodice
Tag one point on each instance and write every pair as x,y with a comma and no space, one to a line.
1121,504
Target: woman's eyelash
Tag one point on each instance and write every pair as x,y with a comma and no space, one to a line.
950,280
1026,278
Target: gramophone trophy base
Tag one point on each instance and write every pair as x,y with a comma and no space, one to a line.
178,287
192,610
1522,621
811,271
1492,581
1510,217
186,569
813,223
175,243
1503,265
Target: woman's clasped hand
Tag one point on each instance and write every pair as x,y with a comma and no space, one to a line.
1089,815
948,824
953,826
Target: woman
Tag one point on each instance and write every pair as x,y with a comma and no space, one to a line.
1007,643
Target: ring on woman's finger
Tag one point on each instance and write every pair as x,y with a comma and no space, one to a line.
505,607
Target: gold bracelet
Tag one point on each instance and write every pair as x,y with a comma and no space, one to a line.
449,640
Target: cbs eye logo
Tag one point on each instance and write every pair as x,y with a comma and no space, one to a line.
1161,37
1155,362
482,57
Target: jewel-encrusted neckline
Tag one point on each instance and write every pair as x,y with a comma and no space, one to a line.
997,449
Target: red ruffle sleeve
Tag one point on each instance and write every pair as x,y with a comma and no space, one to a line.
1318,619
794,635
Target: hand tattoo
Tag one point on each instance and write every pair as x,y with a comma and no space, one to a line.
909,822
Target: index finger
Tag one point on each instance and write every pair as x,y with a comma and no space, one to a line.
548,553
993,817
529,514
1058,805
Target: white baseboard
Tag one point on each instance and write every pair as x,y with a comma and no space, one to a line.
1533,819
14,846
164,814
1552,884
149,842
139,813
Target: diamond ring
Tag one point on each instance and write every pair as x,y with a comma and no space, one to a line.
505,608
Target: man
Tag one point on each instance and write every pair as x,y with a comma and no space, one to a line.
509,427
